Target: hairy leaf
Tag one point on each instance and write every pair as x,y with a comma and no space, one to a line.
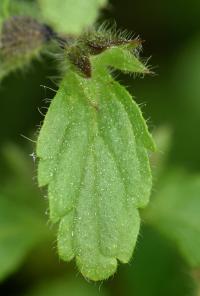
71,16
174,210
93,157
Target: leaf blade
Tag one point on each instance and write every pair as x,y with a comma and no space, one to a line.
102,172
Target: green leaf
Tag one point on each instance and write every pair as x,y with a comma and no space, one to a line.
174,211
121,58
93,157
22,224
66,286
71,16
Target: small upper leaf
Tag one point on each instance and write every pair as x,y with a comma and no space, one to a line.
119,57
93,157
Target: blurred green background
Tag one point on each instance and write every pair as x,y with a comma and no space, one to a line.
167,257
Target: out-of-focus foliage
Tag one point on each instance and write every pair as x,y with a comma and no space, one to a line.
164,273
21,223
196,276
71,16
21,39
66,286
20,230
162,137
18,7
186,85
22,36
174,210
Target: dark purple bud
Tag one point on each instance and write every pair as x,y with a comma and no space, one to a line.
82,61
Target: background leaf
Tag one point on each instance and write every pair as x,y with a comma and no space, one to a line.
21,221
66,286
165,273
20,231
18,7
186,78
4,4
174,211
71,16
